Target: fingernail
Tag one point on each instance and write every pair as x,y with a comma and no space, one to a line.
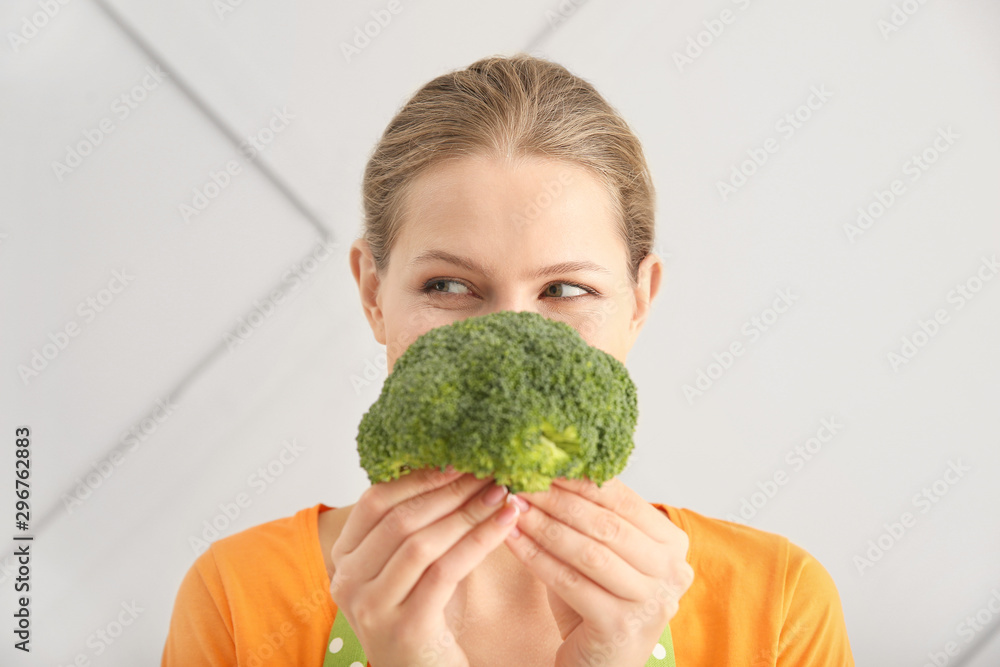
507,514
515,532
521,503
494,495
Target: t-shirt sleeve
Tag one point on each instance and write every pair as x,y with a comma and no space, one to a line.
201,626
813,632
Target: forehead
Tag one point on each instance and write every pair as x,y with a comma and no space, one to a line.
474,201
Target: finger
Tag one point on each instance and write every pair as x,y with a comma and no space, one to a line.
439,581
441,555
586,556
409,517
623,501
379,498
588,599
600,524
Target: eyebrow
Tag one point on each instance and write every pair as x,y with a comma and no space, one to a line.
466,263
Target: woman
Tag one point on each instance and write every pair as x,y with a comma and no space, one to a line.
511,185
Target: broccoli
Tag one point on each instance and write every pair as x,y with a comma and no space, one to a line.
515,395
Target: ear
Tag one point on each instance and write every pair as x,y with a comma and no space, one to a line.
649,274
363,268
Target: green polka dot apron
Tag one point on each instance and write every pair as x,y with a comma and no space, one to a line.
344,649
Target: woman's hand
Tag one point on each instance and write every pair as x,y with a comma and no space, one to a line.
404,549
613,564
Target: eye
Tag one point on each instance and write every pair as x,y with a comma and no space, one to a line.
433,285
554,291
559,291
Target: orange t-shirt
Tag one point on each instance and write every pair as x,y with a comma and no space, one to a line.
261,598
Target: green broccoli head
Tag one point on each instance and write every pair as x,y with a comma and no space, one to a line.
514,395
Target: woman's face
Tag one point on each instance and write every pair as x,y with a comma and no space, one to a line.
481,235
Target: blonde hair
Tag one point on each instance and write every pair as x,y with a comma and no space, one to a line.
506,107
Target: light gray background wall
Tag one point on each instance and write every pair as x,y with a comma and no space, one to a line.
162,339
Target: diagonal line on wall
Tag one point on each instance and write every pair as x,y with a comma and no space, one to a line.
326,236
214,118
42,522
550,27
986,636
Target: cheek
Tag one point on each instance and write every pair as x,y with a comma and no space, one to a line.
605,326
405,326
595,327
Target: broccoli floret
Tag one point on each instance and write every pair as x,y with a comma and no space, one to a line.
515,395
